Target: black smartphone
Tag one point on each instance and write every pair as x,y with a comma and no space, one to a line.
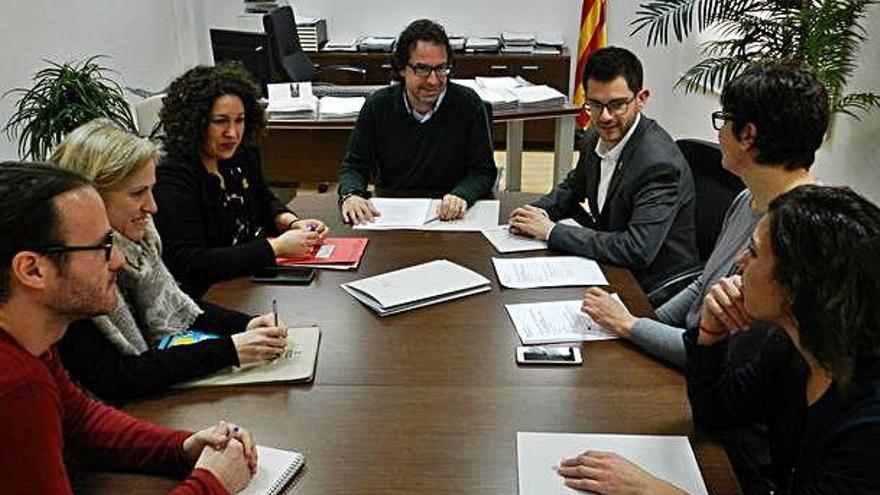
286,275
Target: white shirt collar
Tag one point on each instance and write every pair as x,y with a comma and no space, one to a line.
422,118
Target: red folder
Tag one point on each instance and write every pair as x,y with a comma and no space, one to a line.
340,253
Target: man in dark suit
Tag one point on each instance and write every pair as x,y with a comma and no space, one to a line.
632,192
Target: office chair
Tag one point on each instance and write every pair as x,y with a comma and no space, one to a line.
146,113
715,190
287,60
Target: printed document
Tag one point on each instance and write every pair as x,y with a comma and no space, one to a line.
548,271
555,322
668,457
421,214
506,242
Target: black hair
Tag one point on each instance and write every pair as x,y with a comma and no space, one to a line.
186,109
29,217
826,243
788,106
420,30
607,64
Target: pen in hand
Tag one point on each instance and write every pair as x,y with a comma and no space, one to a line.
275,311
430,220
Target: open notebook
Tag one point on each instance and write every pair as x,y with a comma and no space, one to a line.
297,364
667,457
421,214
275,469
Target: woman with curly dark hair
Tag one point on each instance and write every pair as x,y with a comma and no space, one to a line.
217,218
811,269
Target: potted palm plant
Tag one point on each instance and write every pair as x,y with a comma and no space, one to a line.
823,34
63,97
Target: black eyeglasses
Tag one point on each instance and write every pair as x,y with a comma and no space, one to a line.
719,118
615,107
106,244
425,70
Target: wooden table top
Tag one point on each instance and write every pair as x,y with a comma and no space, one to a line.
427,401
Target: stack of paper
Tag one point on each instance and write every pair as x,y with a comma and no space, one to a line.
477,44
666,457
555,322
312,32
517,42
457,43
548,271
290,99
499,100
376,44
538,96
417,286
341,46
334,106
421,214
332,254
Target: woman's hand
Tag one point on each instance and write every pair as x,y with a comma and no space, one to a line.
607,312
607,473
311,225
260,344
217,437
295,243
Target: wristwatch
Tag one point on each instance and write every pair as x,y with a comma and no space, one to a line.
363,194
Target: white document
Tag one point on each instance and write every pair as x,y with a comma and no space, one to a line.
668,457
334,106
498,83
556,322
506,242
548,271
275,469
288,98
416,286
537,95
421,214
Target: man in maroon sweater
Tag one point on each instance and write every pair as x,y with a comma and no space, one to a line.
58,264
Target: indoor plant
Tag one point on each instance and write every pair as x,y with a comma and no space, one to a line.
63,97
824,34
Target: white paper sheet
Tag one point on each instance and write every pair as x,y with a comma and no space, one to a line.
556,322
548,271
505,242
413,213
667,457
334,106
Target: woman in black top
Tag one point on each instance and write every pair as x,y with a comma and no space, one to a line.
217,217
811,269
115,355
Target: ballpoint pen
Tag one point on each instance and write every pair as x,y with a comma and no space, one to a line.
275,310
432,219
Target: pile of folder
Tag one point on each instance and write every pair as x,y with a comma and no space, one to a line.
517,42
312,33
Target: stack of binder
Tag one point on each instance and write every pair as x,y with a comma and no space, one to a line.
312,34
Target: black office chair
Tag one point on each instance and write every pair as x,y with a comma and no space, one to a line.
715,190
287,60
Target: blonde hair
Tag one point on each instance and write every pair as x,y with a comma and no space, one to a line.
104,153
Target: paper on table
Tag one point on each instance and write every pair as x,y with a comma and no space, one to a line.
555,322
334,106
412,213
506,242
548,271
668,457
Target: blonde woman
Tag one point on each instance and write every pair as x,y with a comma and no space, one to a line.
115,355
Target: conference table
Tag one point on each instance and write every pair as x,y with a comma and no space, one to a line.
428,401
309,147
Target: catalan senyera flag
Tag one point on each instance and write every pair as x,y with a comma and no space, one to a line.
592,37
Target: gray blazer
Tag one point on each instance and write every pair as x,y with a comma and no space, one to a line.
647,224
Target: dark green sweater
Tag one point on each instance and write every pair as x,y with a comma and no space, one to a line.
450,153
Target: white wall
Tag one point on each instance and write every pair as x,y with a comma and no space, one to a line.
153,41
147,42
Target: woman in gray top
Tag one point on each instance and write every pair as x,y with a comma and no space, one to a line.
773,120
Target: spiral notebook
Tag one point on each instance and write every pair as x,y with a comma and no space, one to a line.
276,468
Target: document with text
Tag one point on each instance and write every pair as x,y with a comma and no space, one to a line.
548,271
421,214
555,322
668,457
505,241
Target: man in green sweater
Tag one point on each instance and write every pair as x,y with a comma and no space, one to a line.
423,137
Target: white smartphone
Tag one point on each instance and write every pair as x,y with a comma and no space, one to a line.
548,355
